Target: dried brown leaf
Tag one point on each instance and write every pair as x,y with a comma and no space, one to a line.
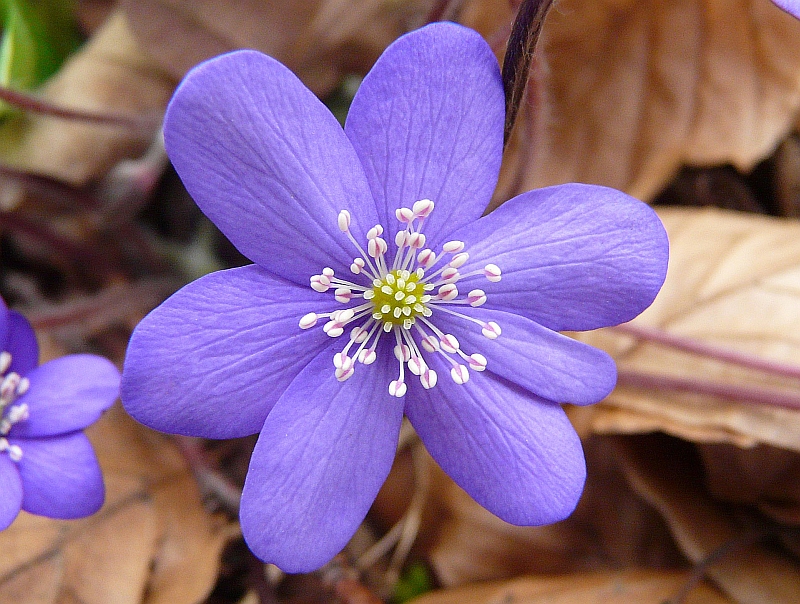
151,543
318,39
733,281
626,91
665,472
464,543
609,587
108,75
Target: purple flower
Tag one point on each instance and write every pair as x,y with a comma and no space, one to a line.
378,289
47,465
790,6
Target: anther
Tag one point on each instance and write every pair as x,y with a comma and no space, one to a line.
343,294
5,361
367,356
344,221
491,330
308,320
492,272
450,343
404,215
397,388
477,361
450,275
477,297
426,258
428,379
447,292
460,374
422,208
402,353
453,247
357,266
320,283
459,260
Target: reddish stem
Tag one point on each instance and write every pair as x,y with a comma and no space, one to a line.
739,393
711,351
34,104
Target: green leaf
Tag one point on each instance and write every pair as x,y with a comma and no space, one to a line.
37,38
415,581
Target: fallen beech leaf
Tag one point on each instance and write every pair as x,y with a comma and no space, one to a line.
318,39
626,91
108,75
609,587
151,543
733,281
666,473
464,543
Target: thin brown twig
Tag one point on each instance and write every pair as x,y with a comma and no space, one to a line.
726,549
33,104
519,53
444,10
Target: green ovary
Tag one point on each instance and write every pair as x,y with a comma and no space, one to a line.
398,299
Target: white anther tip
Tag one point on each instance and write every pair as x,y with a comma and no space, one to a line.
367,357
308,320
477,361
422,208
450,343
491,330
404,215
344,221
477,297
453,247
428,379
492,272
458,260
397,388
460,374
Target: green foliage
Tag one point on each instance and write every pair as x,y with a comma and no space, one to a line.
415,581
37,38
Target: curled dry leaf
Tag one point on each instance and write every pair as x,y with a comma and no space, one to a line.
318,39
151,543
623,92
666,472
733,281
108,75
608,587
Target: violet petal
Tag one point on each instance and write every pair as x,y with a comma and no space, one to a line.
21,344
212,360
67,394
60,476
325,450
550,365
515,454
268,163
427,123
573,257
10,491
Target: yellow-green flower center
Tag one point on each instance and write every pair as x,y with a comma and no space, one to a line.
398,299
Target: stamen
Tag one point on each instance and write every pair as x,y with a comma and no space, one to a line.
400,300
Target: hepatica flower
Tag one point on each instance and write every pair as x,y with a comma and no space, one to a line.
47,465
379,289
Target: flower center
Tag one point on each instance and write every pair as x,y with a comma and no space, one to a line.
399,299
12,386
